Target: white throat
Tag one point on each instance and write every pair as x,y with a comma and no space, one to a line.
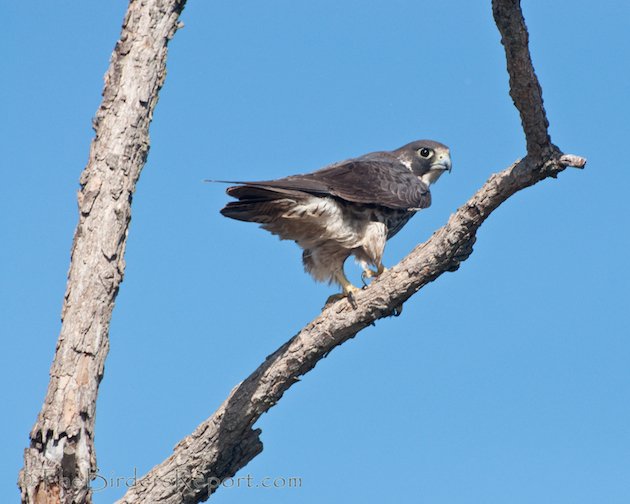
431,176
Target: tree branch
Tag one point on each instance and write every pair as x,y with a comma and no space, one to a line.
525,89
61,458
227,441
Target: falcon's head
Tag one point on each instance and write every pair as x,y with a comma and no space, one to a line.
426,159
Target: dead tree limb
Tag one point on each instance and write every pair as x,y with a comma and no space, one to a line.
227,441
525,89
61,458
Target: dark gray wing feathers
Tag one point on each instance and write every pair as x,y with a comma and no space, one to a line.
375,179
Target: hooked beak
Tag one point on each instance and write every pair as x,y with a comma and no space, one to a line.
443,163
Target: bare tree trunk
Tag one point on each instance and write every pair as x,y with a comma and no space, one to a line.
61,458
227,441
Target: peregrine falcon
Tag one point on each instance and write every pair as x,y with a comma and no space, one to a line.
348,208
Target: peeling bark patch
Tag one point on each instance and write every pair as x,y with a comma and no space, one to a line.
47,494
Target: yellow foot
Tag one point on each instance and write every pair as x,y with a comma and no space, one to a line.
334,297
370,273
348,292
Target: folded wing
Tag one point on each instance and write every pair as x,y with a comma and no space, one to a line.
375,179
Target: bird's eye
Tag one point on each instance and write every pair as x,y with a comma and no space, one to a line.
425,153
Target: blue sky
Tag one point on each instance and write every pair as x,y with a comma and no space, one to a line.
507,381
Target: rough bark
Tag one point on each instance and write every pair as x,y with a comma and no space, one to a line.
227,441
525,89
61,457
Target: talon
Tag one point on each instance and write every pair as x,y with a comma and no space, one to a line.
352,301
334,298
367,273
348,292
397,310
370,273
350,289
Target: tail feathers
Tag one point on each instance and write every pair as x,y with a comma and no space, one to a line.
259,204
261,192
248,212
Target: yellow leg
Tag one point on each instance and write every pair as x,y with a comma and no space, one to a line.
347,287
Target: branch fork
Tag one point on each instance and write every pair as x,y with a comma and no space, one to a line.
62,447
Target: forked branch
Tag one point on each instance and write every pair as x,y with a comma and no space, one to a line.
227,441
